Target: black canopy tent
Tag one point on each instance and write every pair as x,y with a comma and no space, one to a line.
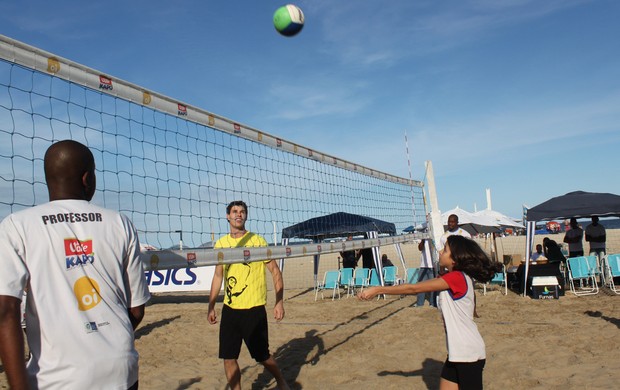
578,204
339,224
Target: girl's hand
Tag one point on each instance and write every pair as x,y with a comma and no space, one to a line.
367,294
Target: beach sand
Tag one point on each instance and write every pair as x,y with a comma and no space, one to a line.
569,343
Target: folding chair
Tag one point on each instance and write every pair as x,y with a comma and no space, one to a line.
412,275
346,280
331,281
390,275
612,270
360,278
499,278
583,271
374,278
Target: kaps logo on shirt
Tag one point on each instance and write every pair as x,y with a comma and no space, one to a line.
78,253
86,292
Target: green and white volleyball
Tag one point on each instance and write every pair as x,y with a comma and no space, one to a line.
288,20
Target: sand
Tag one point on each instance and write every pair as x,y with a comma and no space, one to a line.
389,344
569,343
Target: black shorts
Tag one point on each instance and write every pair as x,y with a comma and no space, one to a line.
467,375
249,325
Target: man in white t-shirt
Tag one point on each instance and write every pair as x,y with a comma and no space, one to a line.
453,228
86,285
574,239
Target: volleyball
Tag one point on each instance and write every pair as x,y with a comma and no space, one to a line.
288,20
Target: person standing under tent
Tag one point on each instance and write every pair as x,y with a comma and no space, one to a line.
453,228
427,272
348,257
574,239
464,261
596,236
244,317
86,285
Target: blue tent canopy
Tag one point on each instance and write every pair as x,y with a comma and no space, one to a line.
338,225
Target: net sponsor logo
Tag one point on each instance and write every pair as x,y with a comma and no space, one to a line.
105,83
182,110
178,277
237,128
87,293
191,259
53,65
78,253
288,251
146,98
246,254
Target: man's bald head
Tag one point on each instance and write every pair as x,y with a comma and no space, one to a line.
453,222
69,171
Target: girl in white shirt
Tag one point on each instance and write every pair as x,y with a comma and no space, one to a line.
464,260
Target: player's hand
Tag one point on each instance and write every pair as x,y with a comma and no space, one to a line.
212,317
278,311
367,294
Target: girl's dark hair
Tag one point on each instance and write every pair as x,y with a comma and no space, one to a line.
471,259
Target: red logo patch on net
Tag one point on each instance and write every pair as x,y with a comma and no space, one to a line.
75,247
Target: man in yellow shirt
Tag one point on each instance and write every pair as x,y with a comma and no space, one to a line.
244,317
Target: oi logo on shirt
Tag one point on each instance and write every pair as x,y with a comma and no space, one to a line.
86,292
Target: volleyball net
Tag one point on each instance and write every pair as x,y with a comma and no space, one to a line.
173,168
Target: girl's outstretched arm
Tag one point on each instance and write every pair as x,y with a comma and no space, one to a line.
437,284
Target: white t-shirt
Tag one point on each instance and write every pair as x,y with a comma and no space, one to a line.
448,233
464,342
82,266
426,260
596,231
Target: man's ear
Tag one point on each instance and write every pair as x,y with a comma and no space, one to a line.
89,183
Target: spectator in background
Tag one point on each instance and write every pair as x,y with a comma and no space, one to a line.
552,251
538,253
453,228
426,272
348,257
595,235
385,262
574,239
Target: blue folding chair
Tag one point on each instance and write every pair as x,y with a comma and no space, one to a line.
412,275
390,275
360,278
346,280
582,270
374,278
612,270
331,281
499,278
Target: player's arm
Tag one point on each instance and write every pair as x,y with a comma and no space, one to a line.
278,286
216,286
136,314
437,284
12,342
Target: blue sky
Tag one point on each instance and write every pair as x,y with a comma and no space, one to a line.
519,96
